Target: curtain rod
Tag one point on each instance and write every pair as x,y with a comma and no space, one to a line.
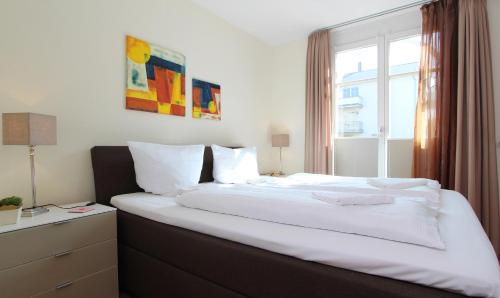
376,15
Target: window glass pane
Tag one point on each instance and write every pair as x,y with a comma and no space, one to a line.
404,55
356,64
356,93
402,105
404,59
345,92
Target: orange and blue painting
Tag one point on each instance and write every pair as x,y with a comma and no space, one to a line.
155,79
206,100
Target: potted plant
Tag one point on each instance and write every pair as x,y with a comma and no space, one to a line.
10,210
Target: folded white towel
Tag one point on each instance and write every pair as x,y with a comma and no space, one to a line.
399,183
347,198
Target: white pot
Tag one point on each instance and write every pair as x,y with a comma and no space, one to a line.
9,217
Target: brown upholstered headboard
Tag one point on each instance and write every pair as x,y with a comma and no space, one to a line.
114,172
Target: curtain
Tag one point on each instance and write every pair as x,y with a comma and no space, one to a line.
435,120
454,125
476,161
318,128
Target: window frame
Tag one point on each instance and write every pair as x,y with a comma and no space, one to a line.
382,41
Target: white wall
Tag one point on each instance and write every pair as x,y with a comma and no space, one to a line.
67,58
288,65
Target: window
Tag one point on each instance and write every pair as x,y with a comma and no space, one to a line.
354,91
346,92
350,92
404,60
356,104
376,85
356,100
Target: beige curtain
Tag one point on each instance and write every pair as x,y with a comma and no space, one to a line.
318,142
454,126
476,162
435,120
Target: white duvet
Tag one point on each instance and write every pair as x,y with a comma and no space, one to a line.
410,218
468,265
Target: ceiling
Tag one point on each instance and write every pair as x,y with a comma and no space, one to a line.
281,21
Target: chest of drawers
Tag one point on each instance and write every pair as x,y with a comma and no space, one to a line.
60,254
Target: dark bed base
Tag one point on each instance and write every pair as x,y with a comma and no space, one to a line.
160,260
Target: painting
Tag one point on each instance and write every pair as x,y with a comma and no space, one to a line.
155,78
206,100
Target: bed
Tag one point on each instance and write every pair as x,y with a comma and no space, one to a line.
157,259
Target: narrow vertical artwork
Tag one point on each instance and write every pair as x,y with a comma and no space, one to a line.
155,79
206,100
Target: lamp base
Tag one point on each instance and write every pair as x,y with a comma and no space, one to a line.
277,174
30,212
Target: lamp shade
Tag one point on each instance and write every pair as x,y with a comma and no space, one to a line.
29,129
281,140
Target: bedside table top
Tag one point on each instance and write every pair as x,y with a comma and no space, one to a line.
54,215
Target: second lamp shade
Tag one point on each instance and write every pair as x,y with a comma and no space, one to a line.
281,140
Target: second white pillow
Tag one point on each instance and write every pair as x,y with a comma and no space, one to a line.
234,165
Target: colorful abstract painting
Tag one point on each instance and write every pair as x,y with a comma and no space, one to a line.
155,79
206,100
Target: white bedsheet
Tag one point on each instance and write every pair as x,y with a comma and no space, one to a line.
468,265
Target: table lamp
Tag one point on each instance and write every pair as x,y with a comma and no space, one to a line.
280,140
30,129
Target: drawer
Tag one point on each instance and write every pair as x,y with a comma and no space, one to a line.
46,274
31,244
103,284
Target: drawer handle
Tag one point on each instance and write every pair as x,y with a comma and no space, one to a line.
61,222
64,285
63,253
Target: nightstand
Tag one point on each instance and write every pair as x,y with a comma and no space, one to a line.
60,254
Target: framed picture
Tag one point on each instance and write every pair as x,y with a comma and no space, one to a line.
206,100
155,78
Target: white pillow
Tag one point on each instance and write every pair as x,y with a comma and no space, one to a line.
164,169
234,165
